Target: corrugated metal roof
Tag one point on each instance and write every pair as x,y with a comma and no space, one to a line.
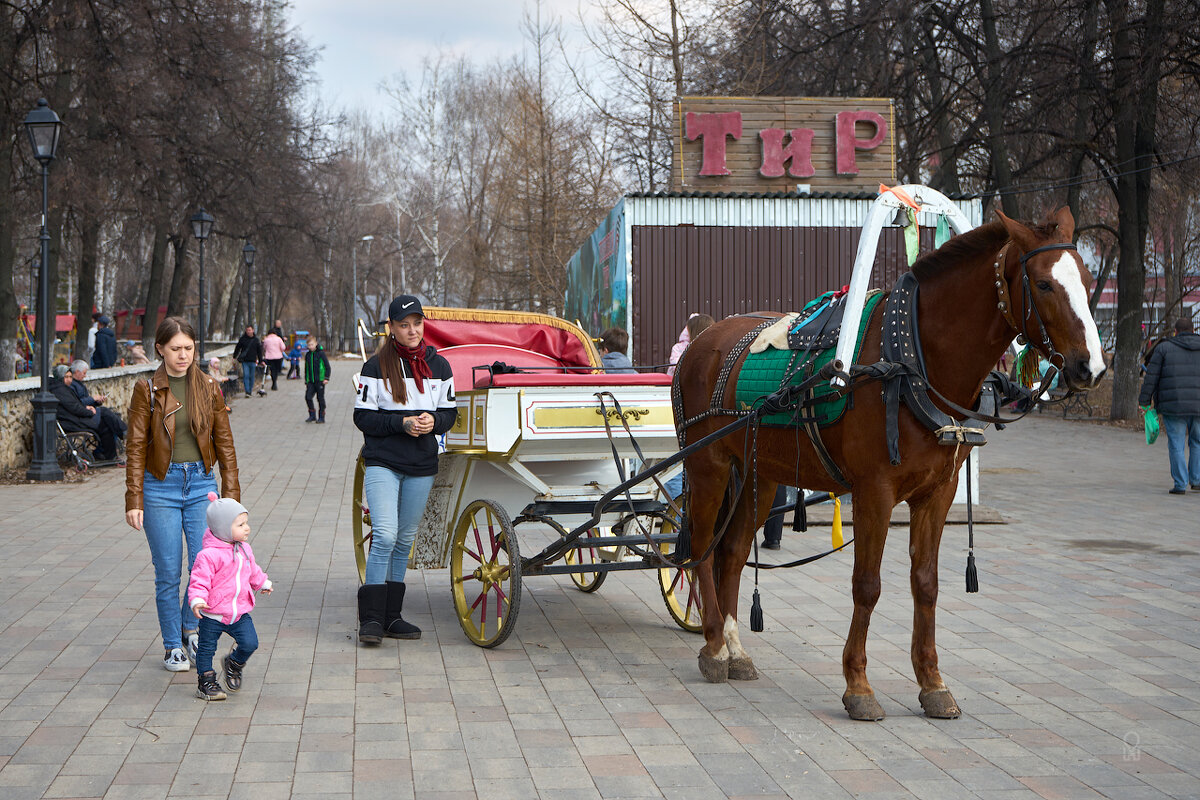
780,209
781,195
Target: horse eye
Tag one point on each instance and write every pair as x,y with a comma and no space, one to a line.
1044,285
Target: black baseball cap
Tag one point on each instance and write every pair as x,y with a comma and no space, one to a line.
404,305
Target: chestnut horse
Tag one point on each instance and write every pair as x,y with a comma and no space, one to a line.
964,332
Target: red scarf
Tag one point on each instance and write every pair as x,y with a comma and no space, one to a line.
415,356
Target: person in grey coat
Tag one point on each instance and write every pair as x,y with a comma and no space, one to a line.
1172,385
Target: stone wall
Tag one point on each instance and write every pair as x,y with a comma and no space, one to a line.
16,412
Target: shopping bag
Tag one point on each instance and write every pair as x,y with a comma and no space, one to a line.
1152,426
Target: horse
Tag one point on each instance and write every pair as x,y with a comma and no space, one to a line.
977,292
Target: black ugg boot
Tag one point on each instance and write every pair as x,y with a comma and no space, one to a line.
371,598
394,626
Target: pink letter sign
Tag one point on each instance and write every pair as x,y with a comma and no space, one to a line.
714,128
798,151
847,144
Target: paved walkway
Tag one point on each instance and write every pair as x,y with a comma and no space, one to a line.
1077,665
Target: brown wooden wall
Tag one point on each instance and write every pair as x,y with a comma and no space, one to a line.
681,270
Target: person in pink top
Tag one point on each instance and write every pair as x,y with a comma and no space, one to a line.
273,350
224,580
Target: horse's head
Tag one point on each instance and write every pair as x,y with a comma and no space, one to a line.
1048,286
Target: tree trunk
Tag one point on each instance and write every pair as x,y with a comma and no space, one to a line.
179,278
994,104
158,262
89,249
9,310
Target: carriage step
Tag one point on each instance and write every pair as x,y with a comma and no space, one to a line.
545,508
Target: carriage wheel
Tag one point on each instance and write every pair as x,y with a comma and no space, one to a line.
485,573
680,590
361,517
584,556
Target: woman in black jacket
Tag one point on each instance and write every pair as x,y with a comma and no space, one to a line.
405,402
73,415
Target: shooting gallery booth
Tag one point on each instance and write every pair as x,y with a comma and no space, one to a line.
767,201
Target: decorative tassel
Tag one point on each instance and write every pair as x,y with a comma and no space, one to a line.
837,520
800,514
756,615
1027,367
972,575
683,542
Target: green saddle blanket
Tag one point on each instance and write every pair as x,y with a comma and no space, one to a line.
767,372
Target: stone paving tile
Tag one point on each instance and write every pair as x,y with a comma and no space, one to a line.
1076,665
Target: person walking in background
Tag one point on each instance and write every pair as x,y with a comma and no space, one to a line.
614,343
294,355
105,354
273,349
178,431
248,351
221,589
91,345
1172,385
405,401
316,375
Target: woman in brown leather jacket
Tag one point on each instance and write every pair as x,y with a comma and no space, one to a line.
178,429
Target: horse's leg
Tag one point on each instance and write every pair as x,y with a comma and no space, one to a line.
705,501
928,516
735,549
872,513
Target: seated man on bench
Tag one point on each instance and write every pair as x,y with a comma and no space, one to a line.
75,416
108,417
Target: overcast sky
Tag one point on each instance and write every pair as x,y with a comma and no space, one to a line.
364,42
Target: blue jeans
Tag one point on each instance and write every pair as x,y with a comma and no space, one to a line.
248,375
175,508
1183,432
244,636
397,502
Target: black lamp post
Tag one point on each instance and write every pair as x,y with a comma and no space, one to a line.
43,127
248,256
202,223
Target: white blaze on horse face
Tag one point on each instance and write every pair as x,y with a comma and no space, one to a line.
1066,272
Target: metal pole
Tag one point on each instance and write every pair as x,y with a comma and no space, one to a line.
249,294
354,291
203,363
44,466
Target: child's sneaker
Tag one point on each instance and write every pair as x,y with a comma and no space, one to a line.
233,673
176,660
207,687
191,641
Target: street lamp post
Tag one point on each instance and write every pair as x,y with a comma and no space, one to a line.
202,223
248,256
43,127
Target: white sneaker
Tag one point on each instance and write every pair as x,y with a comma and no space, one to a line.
191,643
176,660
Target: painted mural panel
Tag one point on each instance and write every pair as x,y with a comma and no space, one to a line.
597,286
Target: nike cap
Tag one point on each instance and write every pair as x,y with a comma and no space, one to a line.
404,305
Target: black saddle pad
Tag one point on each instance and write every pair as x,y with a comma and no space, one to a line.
818,329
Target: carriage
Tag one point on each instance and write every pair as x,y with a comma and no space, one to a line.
545,437
542,435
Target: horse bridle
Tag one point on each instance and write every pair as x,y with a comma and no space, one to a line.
1005,303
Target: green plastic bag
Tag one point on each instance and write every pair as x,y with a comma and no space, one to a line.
1152,426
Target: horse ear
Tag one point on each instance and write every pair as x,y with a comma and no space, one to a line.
1020,234
1065,222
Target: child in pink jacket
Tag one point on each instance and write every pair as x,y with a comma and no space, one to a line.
221,590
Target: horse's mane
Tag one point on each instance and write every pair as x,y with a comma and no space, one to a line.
984,239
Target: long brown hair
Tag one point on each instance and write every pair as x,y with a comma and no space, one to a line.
199,412
392,367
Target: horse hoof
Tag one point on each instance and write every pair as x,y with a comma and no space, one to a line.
863,707
939,704
714,670
742,669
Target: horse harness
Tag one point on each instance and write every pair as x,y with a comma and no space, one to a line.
901,370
